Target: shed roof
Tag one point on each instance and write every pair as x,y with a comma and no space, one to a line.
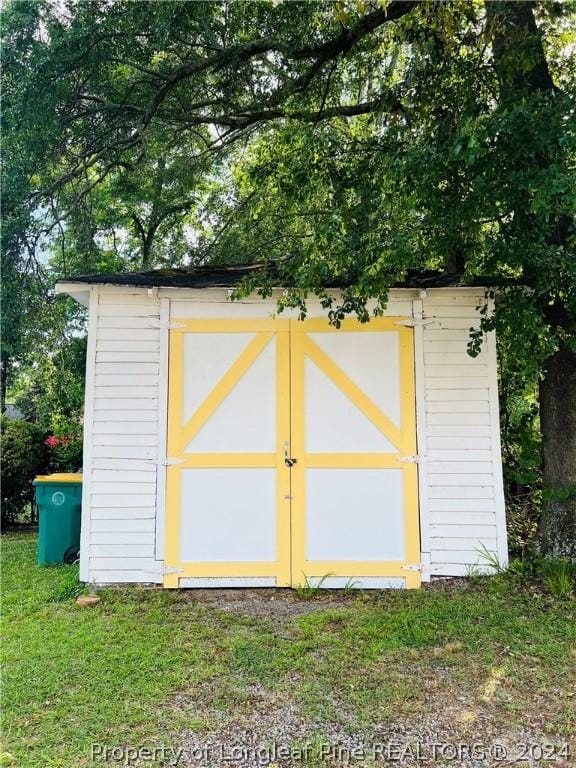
230,276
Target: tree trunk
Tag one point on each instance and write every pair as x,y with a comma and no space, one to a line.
557,530
522,69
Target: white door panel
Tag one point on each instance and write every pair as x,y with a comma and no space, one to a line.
334,423
246,419
371,360
207,357
228,515
354,514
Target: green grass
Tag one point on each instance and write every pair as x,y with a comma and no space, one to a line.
144,666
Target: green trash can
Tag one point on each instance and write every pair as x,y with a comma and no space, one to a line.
59,499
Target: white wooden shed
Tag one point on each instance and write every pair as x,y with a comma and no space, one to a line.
226,445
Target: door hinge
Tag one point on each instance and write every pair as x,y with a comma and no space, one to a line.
173,326
171,462
418,321
414,459
417,567
163,570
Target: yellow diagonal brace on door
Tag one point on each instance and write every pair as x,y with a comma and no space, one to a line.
224,386
353,393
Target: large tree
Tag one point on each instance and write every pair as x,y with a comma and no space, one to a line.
365,140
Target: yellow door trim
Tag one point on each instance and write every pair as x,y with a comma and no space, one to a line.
403,437
292,347
321,325
221,569
228,460
352,460
283,500
179,436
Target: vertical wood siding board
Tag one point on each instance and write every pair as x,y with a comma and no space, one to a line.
502,536
420,383
89,402
162,424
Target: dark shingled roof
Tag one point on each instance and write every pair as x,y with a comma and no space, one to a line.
228,277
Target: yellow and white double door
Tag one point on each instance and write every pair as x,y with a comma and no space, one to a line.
287,454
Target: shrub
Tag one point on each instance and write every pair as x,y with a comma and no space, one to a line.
65,446
24,455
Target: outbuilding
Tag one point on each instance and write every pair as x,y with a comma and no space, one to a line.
227,445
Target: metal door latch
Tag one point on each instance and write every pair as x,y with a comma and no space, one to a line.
288,460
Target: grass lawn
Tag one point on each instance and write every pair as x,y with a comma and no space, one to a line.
488,661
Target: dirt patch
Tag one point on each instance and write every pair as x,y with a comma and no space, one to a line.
267,603
273,603
447,584
262,729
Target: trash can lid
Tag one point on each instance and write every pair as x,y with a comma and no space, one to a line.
59,477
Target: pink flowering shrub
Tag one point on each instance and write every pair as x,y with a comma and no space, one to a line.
65,447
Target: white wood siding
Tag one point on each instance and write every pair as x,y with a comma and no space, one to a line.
461,496
462,437
123,464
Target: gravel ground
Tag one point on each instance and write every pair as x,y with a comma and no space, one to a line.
285,603
266,729
272,732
